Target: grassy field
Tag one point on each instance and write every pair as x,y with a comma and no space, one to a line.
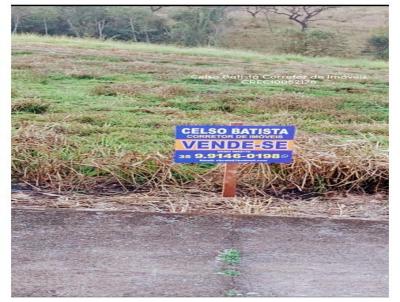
99,115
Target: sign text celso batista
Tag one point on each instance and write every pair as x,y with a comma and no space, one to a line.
233,144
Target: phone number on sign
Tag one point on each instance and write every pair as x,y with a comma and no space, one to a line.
235,155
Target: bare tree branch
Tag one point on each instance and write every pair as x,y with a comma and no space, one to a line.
155,8
303,15
254,10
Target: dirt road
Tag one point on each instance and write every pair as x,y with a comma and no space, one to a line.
96,253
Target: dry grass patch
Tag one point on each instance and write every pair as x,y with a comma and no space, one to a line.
172,91
160,110
350,117
351,90
82,74
129,89
48,160
294,102
175,200
134,89
30,105
349,166
366,128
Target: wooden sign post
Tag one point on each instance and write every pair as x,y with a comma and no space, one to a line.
230,176
233,145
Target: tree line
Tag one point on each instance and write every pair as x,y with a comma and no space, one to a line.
190,26
186,25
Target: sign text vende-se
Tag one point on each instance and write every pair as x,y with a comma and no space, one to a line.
233,144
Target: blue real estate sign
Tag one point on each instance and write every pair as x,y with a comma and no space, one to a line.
233,144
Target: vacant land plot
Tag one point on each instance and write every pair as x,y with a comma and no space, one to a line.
94,115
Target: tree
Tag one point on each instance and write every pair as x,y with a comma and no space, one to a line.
101,17
130,16
137,24
86,20
267,10
254,10
18,13
197,26
155,8
303,14
42,16
77,18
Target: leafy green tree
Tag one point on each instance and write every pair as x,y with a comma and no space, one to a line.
18,14
76,18
138,24
42,18
101,17
197,26
86,20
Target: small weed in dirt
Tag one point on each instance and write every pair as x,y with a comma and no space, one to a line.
229,273
230,256
233,293
30,105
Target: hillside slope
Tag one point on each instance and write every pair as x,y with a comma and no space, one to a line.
353,25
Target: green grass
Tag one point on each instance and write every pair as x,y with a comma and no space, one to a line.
90,43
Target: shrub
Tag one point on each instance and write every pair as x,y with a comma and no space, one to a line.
106,90
314,43
29,105
378,46
196,26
